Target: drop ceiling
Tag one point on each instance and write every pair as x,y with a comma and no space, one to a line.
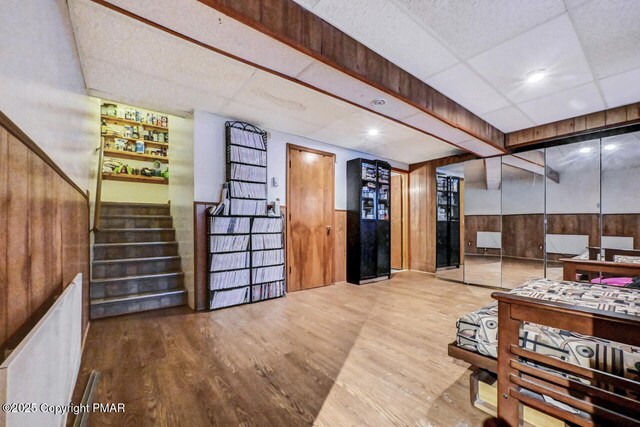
478,53
220,65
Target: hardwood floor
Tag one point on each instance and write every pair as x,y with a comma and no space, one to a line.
340,355
500,272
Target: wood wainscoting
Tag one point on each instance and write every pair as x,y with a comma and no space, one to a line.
422,211
520,244
200,249
44,234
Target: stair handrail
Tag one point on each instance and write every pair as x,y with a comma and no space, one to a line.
96,211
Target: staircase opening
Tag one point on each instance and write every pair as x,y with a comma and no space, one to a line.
136,264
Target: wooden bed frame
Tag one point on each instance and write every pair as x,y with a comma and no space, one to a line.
572,266
516,377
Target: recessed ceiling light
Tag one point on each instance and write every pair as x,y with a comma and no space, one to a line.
610,147
379,101
536,75
585,150
373,132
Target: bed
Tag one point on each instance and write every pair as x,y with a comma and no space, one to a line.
561,343
590,265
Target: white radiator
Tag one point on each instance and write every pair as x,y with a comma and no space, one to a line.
44,367
489,239
617,242
567,244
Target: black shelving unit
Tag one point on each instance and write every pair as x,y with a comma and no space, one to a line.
368,221
447,221
241,234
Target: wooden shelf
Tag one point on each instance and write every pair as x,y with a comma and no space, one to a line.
153,143
135,156
118,120
134,178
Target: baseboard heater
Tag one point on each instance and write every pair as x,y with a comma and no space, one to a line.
43,368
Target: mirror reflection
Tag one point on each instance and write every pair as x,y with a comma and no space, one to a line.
572,204
449,228
620,204
523,180
519,216
482,225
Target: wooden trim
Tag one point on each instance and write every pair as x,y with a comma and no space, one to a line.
474,359
576,126
199,251
398,170
571,267
291,24
98,206
281,75
12,128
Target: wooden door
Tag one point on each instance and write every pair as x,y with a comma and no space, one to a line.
310,211
396,222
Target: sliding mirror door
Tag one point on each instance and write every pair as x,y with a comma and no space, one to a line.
572,203
620,201
482,227
449,222
523,180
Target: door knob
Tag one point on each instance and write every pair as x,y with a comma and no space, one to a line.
328,229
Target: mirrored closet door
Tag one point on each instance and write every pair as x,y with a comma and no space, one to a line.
523,213
572,203
523,177
482,226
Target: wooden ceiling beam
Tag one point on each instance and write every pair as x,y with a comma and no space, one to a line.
291,24
588,123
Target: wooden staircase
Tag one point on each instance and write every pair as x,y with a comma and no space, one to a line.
136,265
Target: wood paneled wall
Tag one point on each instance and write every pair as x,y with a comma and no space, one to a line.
522,235
340,248
290,23
588,123
475,223
200,249
44,234
422,211
422,217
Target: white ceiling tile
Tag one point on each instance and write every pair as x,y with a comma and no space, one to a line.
621,89
307,4
552,46
480,148
436,127
572,4
266,118
267,91
468,89
473,26
570,103
329,79
383,27
205,24
508,119
609,32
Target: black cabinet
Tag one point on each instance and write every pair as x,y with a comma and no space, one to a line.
447,221
368,220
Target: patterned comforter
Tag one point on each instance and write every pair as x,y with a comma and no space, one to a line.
478,331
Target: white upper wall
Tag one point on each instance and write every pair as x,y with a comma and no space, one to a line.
42,88
577,192
210,162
